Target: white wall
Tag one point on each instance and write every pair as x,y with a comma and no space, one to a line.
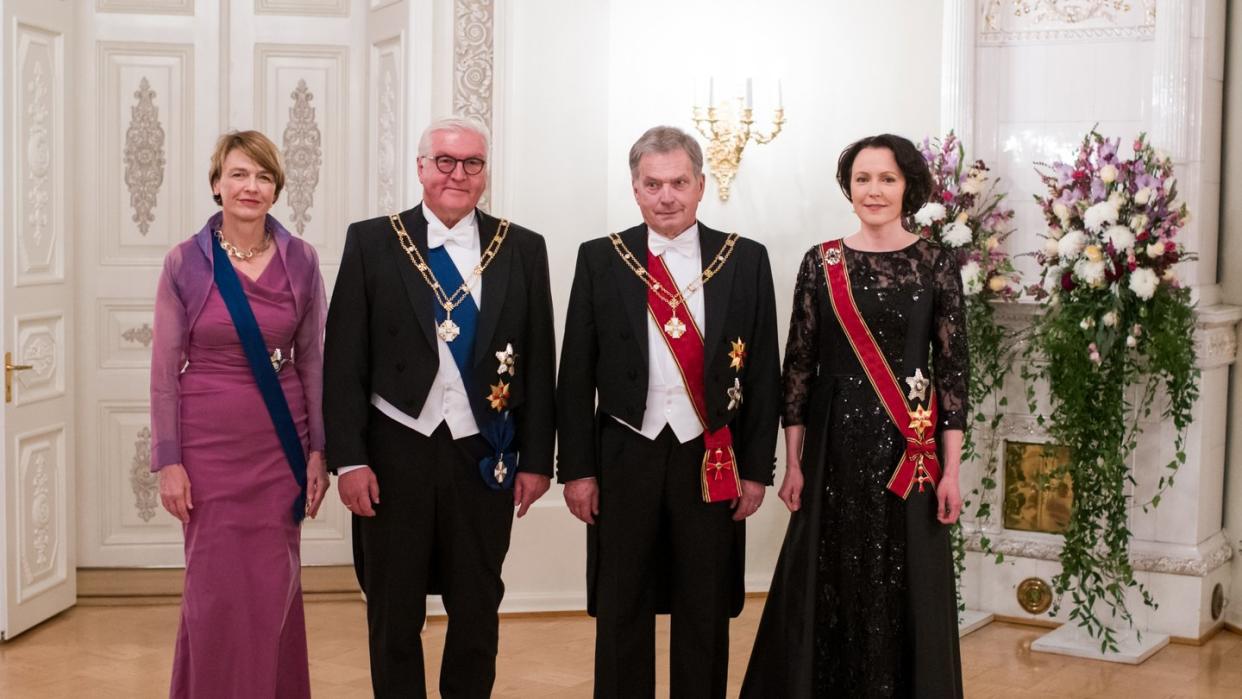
582,80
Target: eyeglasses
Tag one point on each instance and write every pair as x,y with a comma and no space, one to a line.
447,164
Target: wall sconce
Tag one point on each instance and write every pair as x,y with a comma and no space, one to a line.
727,129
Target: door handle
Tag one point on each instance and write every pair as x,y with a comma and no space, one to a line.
9,368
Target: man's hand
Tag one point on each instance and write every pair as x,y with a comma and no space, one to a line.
582,496
527,488
752,497
175,492
317,483
359,491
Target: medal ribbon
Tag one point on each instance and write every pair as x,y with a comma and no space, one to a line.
718,474
919,463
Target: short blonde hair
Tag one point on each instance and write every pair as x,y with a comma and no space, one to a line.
257,147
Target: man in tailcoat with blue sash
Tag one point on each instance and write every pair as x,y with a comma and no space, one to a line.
439,411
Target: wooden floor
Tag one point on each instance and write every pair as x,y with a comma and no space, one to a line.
126,652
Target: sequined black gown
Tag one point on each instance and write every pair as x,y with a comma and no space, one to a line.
862,601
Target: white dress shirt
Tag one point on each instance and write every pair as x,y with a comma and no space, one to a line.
668,402
447,401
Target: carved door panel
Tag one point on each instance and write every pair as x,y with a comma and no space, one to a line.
37,328
163,86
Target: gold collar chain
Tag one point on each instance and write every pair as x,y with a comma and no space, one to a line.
240,254
448,330
675,328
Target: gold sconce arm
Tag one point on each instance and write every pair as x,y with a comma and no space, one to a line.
727,137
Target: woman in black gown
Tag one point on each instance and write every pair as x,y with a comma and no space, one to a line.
862,601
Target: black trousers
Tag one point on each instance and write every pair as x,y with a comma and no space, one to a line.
660,544
437,529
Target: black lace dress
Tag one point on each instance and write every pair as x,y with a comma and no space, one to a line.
862,601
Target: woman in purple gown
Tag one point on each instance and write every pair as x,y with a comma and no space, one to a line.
221,465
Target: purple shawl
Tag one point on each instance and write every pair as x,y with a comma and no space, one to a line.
184,285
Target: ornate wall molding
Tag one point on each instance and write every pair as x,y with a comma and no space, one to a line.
40,510
40,343
148,7
1144,556
473,61
1044,21
303,153
39,172
388,108
315,8
144,156
144,483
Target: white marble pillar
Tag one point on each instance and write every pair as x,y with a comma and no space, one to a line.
957,70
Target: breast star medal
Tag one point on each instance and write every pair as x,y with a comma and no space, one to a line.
277,359
833,256
506,359
918,386
737,356
920,420
499,398
735,394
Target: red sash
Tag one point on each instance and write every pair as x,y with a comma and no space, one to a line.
919,463
718,476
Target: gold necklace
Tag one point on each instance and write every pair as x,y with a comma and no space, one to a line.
448,330
240,254
674,328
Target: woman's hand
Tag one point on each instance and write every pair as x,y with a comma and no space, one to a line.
948,499
175,492
791,487
317,483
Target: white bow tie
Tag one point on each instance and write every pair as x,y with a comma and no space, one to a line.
683,244
463,236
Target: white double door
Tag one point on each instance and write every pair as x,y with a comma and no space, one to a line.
112,109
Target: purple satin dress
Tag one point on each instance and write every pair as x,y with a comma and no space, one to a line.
242,632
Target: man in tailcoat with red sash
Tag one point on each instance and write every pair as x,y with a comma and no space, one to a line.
667,410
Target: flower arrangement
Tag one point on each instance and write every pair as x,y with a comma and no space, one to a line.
1116,326
968,216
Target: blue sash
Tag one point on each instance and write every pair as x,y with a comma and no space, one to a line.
496,429
264,374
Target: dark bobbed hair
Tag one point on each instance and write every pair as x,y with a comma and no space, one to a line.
909,160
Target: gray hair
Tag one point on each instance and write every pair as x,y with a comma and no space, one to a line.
665,139
458,124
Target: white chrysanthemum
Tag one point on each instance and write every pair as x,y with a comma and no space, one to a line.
955,235
1051,249
1099,215
1120,236
930,213
1142,196
1071,244
971,281
972,185
1090,272
1052,282
1143,282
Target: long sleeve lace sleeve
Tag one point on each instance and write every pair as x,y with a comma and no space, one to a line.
950,354
802,347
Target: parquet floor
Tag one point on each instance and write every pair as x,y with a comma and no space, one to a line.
126,653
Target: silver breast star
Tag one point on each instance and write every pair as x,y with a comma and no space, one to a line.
735,394
918,386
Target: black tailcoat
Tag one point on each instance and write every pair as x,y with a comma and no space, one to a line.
604,363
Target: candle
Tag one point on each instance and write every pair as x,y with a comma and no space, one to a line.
749,96
780,100
711,92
